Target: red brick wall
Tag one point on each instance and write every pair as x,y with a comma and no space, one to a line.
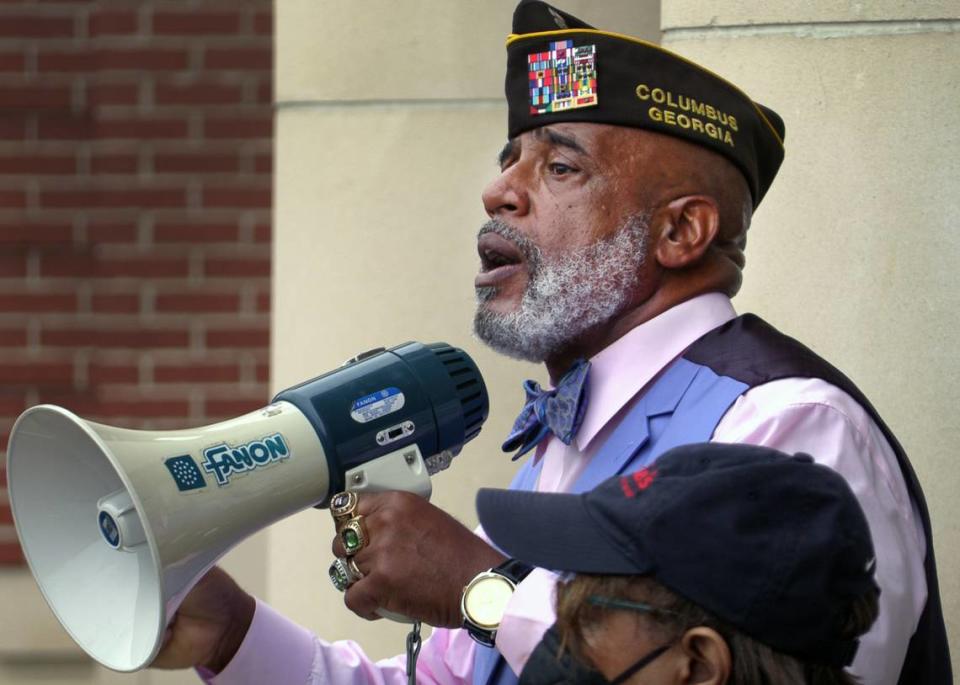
135,175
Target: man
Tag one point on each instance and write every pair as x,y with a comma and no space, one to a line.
616,235
773,586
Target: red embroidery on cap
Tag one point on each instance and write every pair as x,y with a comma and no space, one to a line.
625,485
643,478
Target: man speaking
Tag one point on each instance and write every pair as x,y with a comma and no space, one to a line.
615,240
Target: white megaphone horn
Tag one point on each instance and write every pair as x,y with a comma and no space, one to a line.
118,525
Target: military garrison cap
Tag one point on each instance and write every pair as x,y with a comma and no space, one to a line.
561,69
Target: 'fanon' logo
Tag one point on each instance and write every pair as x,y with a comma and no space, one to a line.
225,460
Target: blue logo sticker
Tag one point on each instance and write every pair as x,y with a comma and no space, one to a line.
186,474
224,460
377,404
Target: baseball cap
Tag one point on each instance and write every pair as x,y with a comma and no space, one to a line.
772,544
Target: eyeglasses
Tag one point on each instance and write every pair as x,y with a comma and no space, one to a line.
620,603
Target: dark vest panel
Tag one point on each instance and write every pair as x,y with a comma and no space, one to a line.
751,351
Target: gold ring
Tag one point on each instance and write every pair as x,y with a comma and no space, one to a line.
354,570
343,507
353,535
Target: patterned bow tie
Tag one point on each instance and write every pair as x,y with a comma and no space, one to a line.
558,411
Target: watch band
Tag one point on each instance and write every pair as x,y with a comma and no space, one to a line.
513,571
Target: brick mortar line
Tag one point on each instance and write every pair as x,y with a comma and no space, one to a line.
69,321
813,29
398,103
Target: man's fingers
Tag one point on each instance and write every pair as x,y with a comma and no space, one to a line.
368,506
360,599
415,559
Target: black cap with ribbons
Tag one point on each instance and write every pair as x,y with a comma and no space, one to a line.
561,69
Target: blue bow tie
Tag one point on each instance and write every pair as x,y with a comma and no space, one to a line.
559,411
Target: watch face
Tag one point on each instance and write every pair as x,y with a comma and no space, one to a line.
486,599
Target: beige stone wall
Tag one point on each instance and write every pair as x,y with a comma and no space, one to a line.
389,120
856,249
377,204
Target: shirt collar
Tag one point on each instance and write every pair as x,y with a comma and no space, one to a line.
620,370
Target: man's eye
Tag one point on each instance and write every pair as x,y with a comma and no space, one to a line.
560,169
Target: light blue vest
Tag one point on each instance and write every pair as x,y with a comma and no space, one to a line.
683,406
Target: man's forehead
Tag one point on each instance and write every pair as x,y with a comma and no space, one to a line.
576,135
586,138
551,133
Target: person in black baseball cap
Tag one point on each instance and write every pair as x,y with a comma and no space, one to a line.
733,563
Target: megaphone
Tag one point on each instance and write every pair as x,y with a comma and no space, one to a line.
118,525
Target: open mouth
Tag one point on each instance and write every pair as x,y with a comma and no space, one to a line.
496,251
499,259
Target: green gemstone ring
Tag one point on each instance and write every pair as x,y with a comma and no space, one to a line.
344,573
353,535
338,575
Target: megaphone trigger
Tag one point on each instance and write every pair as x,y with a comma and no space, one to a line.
118,525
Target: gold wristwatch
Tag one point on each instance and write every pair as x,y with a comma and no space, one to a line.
485,599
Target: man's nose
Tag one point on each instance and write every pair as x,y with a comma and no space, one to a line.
506,195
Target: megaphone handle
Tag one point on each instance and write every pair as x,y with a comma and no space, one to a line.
393,616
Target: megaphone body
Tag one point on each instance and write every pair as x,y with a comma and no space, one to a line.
117,525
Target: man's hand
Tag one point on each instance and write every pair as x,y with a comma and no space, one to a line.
417,560
209,626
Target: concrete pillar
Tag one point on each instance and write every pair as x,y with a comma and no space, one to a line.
389,119
855,249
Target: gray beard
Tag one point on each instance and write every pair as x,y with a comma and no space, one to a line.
566,297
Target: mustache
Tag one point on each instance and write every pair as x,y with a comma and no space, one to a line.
530,250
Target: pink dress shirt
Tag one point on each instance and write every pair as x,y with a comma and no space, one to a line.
793,415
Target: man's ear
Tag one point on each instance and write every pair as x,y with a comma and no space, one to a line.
706,657
688,226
